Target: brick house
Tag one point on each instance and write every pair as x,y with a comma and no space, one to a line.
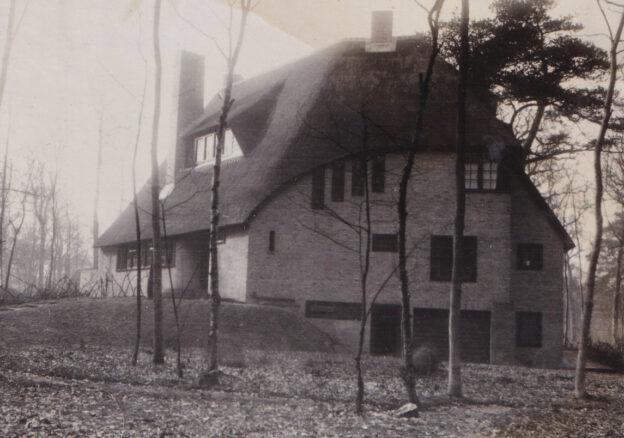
291,195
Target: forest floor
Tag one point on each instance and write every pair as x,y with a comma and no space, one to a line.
80,388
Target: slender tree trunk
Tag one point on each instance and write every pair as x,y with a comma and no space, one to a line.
16,233
579,381
3,206
616,296
215,295
96,198
364,270
454,376
6,56
159,353
43,229
566,284
535,125
406,311
137,225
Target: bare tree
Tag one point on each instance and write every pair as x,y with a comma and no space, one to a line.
96,197
615,38
231,57
53,193
424,86
454,375
156,270
137,224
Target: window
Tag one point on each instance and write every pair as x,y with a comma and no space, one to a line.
127,256
271,241
318,189
530,257
385,242
332,310
205,147
122,255
529,329
481,174
358,179
338,181
379,174
441,264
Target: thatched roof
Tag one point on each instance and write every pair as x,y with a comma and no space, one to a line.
306,114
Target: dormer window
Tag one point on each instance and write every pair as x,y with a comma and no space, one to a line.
205,150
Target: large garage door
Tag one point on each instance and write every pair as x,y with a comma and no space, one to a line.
431,327
385,332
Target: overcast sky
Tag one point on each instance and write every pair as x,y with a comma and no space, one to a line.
75,59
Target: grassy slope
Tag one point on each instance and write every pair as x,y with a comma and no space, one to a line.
112,322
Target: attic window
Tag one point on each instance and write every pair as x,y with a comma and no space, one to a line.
205,149
481,173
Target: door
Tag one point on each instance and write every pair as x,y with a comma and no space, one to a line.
431,327
385,332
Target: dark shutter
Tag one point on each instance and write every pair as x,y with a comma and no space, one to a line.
318,188
379,174
441,258
469,260
529,329
338,181
357,178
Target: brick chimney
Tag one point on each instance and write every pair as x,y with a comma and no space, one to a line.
190,103
381,33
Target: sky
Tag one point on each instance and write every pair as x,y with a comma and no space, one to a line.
78,62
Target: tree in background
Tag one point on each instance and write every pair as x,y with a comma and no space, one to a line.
615,38
536,68
156,270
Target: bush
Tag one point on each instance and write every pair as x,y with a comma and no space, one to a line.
607,354
425,360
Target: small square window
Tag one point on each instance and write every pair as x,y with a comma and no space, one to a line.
529,329
530,257
385,242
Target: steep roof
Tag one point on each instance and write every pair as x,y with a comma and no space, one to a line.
308,113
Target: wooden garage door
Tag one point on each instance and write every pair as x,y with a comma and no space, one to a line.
431,327
385,331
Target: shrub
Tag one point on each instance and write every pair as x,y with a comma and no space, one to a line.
425,360
607,354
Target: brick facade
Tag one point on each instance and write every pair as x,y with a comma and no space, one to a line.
307,265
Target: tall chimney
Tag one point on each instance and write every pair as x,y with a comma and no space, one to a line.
381,33
190,103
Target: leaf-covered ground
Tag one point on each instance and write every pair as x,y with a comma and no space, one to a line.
65,371
94,391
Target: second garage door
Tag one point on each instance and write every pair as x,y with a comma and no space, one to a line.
431,327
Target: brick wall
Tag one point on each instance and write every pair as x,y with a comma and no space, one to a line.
306,265
537,291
